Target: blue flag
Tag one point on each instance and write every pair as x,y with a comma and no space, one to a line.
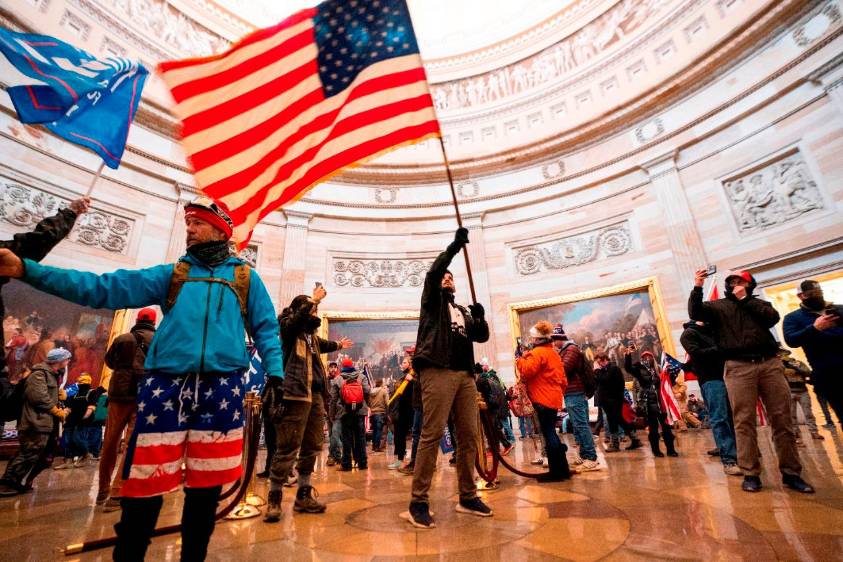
255,377
82,99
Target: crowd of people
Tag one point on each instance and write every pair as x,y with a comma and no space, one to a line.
174,402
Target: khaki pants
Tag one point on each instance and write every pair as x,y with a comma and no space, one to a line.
444,390
121,415
746,381
300,432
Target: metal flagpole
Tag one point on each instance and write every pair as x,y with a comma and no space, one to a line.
96,178
459,218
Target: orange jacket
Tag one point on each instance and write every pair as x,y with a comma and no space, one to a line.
544,375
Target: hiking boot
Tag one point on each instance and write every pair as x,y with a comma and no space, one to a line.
474,506
306,501
732,469
8,489
273,507
111,504
634,443
102,495
796,483
751,484
420,516
816,435
715,452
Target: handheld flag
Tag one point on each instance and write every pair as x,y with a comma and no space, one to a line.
670,370
291,105
255,377
84,100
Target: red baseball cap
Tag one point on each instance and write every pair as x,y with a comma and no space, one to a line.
147,315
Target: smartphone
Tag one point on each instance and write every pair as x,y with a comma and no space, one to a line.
519,342
318,284
710,270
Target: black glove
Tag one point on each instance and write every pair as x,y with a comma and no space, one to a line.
273,395
477,310
461,236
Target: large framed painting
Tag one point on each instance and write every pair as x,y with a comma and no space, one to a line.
36,322
380,339
605,319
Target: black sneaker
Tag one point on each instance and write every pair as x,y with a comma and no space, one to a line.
420,516
715,452
548,477
751,484
474,506
796,483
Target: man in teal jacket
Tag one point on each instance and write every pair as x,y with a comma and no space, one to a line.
190,404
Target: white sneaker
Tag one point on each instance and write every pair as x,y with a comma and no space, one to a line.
732,470
537,461
589,465
395,465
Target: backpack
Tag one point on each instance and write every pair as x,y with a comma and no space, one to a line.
351,393
585,373
496,395
101,411
520,404
240,285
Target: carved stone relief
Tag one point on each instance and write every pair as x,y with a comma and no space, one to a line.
613,240
25,206
379,273
551,63
386,195
75,25
553,169
468,189
779,192
815,27
649,131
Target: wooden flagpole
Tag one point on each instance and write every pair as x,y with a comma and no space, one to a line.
459,218
96,178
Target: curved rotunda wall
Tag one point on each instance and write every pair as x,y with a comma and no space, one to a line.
744,172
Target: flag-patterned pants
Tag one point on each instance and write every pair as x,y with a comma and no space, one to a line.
190,420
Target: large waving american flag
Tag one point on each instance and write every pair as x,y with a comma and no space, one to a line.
291,105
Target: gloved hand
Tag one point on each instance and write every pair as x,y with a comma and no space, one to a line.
461,236
477,310
273,395
59,413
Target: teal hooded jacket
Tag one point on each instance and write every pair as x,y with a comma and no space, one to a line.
202,333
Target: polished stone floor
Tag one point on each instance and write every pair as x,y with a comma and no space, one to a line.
639,508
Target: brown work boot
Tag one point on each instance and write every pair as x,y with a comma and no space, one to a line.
306,501
273,507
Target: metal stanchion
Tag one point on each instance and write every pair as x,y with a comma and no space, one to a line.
249,504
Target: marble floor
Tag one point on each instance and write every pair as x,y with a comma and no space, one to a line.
639,508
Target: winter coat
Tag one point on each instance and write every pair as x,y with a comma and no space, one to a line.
610,385
35,245
120,358
824,350
706,360
572,359
796,373
649,380
41,394
742,327
543,374
433,342
302,360
378,399
203,332
340,407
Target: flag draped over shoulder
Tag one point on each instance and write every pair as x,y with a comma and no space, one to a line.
667,400
289,106
85,100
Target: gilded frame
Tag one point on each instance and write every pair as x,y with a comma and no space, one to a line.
651,284
336,316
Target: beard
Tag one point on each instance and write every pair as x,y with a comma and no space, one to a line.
814,303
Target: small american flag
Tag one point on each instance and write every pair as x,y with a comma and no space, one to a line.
291,105
670,370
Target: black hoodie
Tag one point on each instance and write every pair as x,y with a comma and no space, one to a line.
706,361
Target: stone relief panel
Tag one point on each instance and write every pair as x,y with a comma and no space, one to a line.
386,195
379,272
25,206
557,60
570,251
816,27
780,192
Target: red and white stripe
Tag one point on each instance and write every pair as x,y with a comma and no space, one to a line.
259,132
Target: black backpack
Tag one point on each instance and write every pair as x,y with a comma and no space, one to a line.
585,374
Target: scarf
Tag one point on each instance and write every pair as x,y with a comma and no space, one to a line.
211,253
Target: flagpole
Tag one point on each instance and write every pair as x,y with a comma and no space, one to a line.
459,218
96,178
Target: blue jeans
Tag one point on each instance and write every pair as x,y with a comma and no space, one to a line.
377,421
720,418
577,407
525,426
507,429
335,440
94,439
418,418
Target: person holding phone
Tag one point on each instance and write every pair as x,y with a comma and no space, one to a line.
817,327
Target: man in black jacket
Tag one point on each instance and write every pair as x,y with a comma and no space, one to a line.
706,362
297,403
742,324
125,357
444,360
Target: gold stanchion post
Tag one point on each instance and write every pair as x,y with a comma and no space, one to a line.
248,506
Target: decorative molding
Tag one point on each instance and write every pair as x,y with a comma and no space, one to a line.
776,192
386,195
570,251
468,189
649,131
815,27
76,25
25,206
365,272
553,169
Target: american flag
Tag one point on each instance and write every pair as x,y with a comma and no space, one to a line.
670,369
291,105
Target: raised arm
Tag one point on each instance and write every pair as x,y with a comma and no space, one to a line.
433,280
50,231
